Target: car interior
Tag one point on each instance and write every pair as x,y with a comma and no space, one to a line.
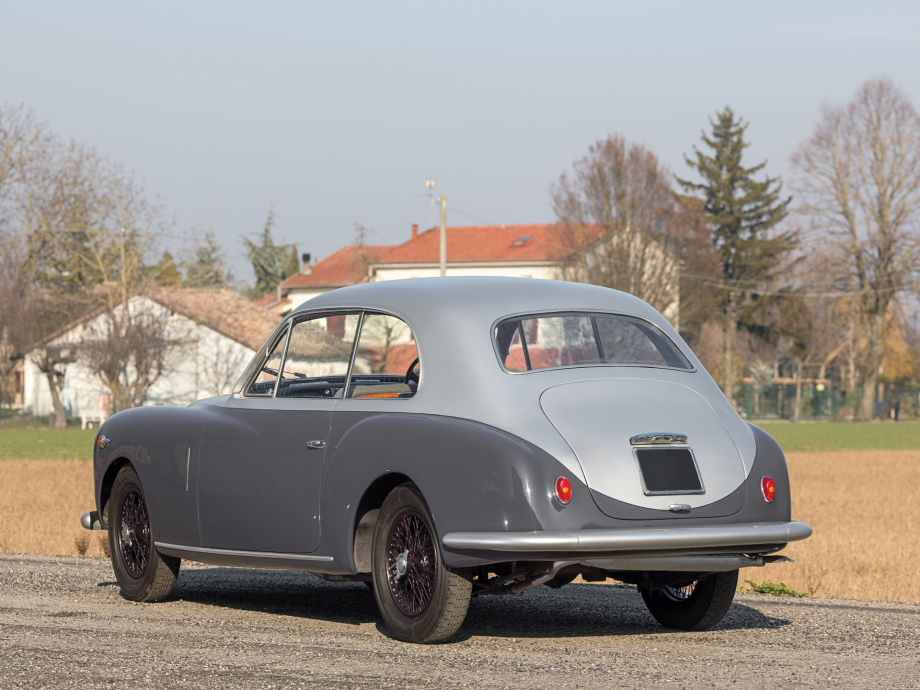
311,359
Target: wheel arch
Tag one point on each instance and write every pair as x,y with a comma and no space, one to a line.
365,519
108,481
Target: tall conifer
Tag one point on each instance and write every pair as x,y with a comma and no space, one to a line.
207,268
743,214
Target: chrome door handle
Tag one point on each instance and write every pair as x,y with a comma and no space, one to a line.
316,445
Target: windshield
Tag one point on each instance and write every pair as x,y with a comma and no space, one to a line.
531,343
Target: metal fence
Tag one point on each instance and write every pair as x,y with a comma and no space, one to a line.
823,402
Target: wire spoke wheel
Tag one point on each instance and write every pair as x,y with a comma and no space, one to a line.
680,592
133,534
695,605
411,564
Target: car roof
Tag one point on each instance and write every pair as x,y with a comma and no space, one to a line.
480,299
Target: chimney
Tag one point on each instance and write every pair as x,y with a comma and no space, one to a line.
414,230
305,264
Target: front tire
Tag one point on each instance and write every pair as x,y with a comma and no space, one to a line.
141,572
696,605
420,599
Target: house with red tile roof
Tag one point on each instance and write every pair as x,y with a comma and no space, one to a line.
498,250
216,334
522,251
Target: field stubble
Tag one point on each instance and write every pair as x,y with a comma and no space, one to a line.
863,505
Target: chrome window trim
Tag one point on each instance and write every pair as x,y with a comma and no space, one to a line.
354,351
263,357
306,315
418,351
576,312
702,489
289,322
287,341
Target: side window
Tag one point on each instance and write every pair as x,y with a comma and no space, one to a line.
316,364
386,363
265,381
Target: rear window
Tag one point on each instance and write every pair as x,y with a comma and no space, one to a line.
550,341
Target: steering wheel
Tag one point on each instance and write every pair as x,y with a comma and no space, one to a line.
410,373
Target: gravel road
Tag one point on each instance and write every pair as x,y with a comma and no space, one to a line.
63,624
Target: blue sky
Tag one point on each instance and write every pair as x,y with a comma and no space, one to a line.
336,113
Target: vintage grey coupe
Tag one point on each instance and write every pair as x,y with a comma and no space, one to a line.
452,437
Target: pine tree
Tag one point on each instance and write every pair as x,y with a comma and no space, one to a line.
268,260
166,273
743,214
292,266
207,268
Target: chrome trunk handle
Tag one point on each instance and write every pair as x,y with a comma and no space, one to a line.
316,445
657,438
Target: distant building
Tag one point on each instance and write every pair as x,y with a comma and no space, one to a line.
521,251
524,251
218,331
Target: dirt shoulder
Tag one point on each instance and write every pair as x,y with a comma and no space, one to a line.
63,623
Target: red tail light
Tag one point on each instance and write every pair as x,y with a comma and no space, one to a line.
768,488
563,490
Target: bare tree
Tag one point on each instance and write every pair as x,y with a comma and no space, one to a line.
221,366
52,361
614,210
129,349
860,184
83,236
20,139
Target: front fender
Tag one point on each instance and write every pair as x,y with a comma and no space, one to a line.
161,443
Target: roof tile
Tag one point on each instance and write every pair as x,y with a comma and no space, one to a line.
344,267
498,243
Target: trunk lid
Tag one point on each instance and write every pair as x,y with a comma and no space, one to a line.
598,418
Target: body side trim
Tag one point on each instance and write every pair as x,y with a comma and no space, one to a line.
247,554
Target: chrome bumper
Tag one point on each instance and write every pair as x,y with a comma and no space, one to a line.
91,520
628,541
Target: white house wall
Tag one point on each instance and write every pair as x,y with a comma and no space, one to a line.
207,364
542,270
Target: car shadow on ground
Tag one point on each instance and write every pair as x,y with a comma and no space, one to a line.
577,610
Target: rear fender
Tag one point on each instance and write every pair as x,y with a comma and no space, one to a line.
474,477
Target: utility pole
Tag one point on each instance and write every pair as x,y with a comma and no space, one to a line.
429,185
443,236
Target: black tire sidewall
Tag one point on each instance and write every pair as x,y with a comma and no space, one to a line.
694,614
402,499
134,589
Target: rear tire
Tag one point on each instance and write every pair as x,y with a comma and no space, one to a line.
141,572
420,599
697,605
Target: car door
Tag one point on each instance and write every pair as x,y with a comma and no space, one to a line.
262,454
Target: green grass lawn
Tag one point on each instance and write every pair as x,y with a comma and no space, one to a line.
46,444
819,436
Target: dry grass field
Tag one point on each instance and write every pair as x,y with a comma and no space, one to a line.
41,502
864,506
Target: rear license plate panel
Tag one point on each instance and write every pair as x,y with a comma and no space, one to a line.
668,471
